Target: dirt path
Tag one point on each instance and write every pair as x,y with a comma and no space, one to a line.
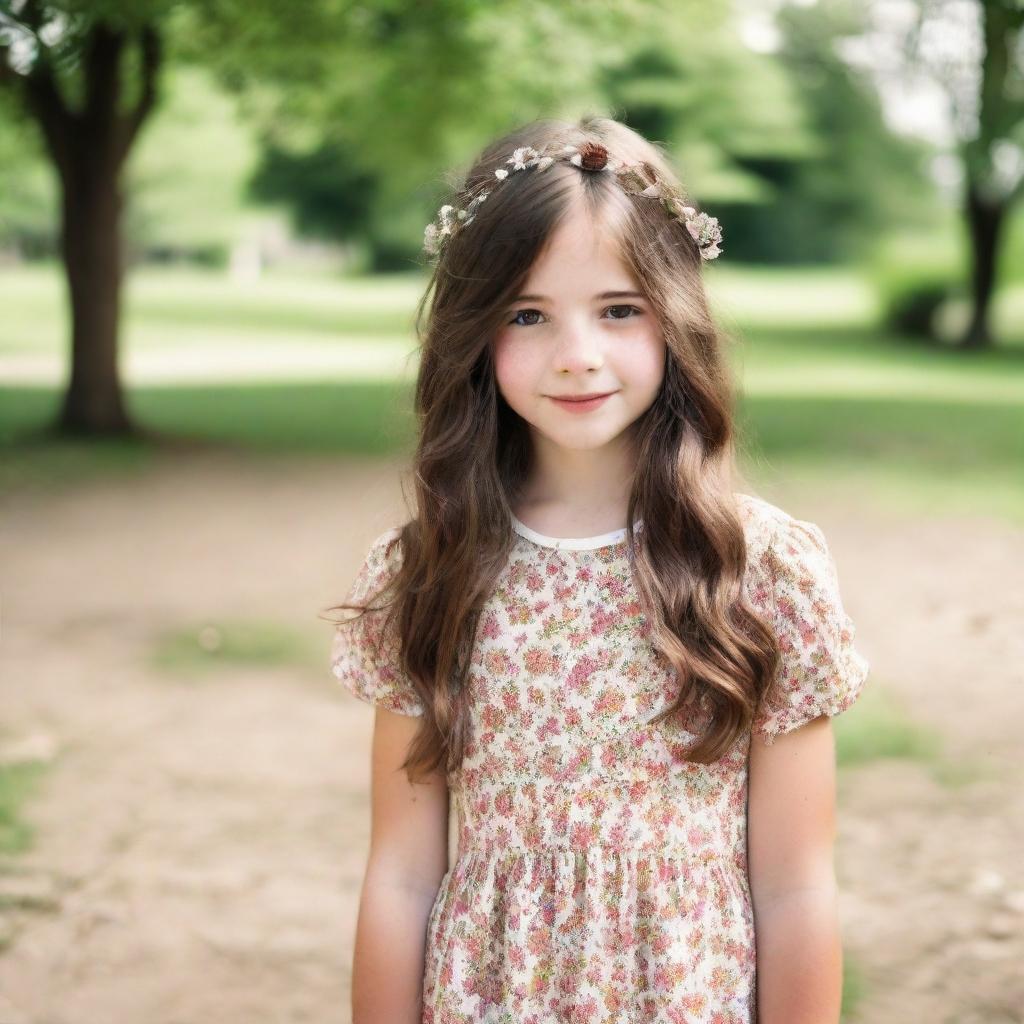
201,843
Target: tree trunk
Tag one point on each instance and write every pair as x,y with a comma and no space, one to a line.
985,220
91,247
89,144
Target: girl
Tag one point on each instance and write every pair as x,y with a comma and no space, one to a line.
618,668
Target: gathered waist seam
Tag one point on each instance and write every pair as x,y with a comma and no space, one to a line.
677,853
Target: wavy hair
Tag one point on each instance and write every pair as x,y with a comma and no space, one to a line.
473,453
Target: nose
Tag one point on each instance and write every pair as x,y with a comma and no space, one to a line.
578,347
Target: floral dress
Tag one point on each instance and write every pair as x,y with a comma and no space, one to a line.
600,877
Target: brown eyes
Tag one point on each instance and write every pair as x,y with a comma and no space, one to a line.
629,312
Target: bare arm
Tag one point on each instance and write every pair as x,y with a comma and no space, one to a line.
791,834
408,858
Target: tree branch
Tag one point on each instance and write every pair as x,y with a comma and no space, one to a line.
152,59
45,102
38,87
102,68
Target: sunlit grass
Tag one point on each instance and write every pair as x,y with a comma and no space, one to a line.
825,397
919,378
171,307
17,784
789,297
202,647
951,457
854,987
879,727
364,419
184,306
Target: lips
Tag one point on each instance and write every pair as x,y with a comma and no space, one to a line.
579,405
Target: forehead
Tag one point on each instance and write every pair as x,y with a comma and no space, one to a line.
582,255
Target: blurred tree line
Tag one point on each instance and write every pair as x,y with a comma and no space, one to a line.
345,115
789,150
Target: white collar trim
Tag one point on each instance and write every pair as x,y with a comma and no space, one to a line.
572,543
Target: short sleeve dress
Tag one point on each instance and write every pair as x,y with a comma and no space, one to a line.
600,877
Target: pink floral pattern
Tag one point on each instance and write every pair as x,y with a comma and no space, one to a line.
600,877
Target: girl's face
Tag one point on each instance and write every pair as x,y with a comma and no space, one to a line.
581,327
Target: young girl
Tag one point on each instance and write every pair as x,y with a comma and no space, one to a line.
617,668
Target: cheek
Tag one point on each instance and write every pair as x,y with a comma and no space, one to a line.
646,364
513,369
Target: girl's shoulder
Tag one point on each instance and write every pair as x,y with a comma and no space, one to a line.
386,546
761,519
769,527
382,560
366,651
785,555
792,579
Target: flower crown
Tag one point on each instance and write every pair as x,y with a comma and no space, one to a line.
635,178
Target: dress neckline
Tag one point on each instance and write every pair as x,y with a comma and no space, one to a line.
572,543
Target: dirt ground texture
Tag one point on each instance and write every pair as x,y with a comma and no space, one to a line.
200,842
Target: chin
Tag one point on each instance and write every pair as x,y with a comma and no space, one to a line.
582,440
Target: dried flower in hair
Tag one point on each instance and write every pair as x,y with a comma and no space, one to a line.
523,157
431,239
636,178
706,232
593,156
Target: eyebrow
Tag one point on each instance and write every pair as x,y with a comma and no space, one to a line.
603,295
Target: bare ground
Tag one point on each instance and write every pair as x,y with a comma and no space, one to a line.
200,842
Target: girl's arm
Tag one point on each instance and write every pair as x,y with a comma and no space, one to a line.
790,839
408,858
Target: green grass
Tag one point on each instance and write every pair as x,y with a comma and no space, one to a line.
364,419
826,400
878,727
926,457
204,646
854,987
172,308
17,783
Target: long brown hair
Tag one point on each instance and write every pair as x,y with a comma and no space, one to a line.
473,453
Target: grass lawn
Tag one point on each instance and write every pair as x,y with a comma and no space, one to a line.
826,398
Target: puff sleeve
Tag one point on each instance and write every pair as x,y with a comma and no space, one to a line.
821,672
364,656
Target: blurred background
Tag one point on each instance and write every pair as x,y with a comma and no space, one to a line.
210,222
